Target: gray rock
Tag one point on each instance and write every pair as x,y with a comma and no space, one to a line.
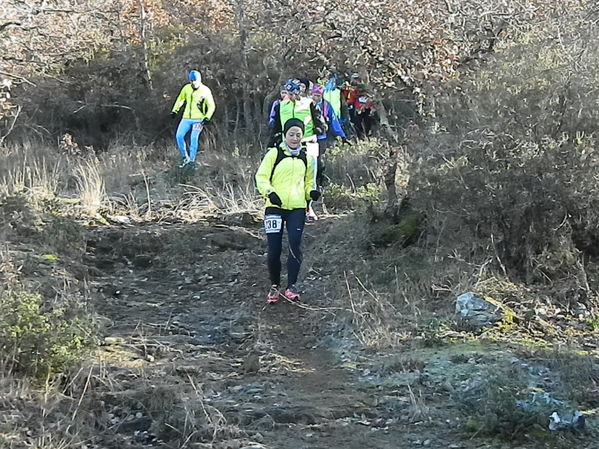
477,311
251,364
581,311
142,260
114,341
567,421
121,219
539,401
563,417
192,370
139,425
110,290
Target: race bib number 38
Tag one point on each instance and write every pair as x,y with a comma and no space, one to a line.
273,224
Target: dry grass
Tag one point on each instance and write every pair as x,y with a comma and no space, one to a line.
372,316
91,186
358,165
68,412
388,295
9,270
135,182
224,198
418,409
30,169
141,183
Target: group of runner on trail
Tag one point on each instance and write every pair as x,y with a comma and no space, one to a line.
305,121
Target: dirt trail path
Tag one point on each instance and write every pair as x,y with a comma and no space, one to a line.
188,318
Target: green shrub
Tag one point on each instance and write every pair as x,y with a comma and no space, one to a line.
64,235
342,198
578,373
39,339
358,165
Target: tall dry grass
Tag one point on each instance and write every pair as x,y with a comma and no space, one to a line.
28,168
143,183
122,180
91,186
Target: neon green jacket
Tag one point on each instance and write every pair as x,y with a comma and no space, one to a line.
199,103
291,179
300,109
334,98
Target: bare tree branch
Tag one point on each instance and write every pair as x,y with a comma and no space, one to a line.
12,125
7,24
20,78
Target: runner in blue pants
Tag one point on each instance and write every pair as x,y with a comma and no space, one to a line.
287,179
185,126
198,106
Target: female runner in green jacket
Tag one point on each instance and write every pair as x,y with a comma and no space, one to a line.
287,179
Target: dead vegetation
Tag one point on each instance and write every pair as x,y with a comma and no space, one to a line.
493,195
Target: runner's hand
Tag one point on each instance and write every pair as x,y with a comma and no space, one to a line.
274,199
206,121
314,195
173,114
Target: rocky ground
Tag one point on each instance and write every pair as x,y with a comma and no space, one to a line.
193,357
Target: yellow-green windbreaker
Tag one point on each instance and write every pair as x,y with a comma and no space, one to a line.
334,99
292,180
199,103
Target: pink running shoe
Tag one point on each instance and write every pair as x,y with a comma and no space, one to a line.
273,294
291,293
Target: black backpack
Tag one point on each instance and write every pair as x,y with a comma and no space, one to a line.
281,155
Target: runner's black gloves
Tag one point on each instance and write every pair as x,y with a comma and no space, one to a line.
274,199
206,121
173,114
314,195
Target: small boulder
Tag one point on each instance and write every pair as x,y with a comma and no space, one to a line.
478,312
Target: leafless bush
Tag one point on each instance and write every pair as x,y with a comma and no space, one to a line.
513,164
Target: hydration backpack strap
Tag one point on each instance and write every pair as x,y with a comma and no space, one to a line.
281,155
